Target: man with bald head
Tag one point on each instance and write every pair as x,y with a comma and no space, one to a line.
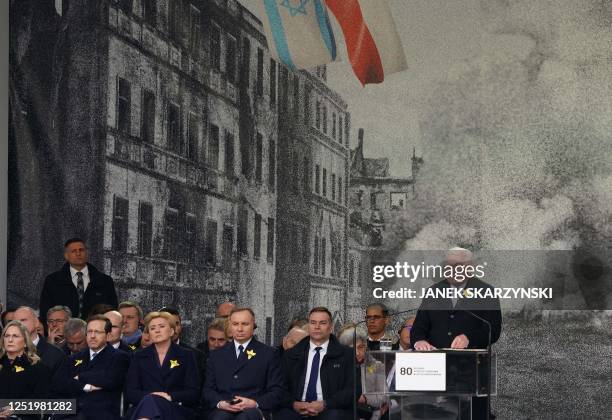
51,356
114,338
225,309
453,322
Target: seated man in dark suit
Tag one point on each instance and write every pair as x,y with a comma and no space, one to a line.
75,332
95,376
448,323
215,339
51,356
57,317
319,374
377,320
132,321
78,285
244,376
114,338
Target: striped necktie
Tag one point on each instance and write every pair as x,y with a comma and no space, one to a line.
80,291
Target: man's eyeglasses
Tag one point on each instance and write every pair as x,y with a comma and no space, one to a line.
56,321
374,318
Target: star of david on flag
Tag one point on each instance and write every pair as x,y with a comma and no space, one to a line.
295,9
300,35
298,31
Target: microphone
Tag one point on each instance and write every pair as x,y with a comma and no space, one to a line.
490,370
363,321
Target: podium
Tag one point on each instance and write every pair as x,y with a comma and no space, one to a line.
436,384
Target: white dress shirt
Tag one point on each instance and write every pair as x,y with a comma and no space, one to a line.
311,354
89,387
91,353
75,278
244,346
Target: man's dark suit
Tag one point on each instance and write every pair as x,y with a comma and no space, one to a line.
125,348
438,322
257,376
107,370
177,376
131,347
50,356
58,289
337,381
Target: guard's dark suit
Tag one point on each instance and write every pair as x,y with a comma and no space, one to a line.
438,322
58,289
107,370
256,375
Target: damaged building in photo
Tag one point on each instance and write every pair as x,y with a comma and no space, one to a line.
196,167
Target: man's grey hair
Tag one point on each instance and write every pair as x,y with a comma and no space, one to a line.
346,336
32,311
73,326
58,308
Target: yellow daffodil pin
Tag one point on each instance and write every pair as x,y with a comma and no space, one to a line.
132,347
18,369
371,369
174,363
250,353
78,362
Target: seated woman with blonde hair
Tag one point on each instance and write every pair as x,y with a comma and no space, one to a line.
162,381
22,374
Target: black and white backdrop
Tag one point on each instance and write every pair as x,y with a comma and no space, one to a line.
508,102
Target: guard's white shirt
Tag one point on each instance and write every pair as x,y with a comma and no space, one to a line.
75,278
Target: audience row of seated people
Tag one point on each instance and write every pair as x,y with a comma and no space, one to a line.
121,364
118,363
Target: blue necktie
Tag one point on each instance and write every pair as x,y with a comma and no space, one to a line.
240,351
311,391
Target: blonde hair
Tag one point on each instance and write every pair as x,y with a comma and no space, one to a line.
166,315
30,348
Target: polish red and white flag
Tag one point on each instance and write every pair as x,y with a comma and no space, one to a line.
373,44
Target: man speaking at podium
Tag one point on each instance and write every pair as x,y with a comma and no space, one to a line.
453,322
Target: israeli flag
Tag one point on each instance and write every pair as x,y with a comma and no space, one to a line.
299,32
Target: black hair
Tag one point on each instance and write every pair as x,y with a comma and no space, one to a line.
73,240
